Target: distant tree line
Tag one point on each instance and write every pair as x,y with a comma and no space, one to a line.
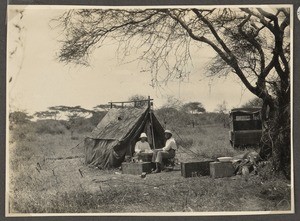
173,113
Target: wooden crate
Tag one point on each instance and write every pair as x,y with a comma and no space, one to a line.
221,169
200,168
136,168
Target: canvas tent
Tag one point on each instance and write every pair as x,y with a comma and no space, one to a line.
116,134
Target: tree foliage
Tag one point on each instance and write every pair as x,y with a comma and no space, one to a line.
248,42
139,100
46,114
193,107
252,43
75,114
19,117
255,102
173,102
71,112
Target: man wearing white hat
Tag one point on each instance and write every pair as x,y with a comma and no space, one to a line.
142,146
168,151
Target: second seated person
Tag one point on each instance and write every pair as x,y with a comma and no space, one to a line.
142,146
167,152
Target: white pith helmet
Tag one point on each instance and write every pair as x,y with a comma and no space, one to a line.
143,135
168,132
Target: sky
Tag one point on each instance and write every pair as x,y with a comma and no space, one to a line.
37,80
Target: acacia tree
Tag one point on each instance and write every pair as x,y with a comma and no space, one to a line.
252,43
46,114
139,100
74,115
19,117
193,107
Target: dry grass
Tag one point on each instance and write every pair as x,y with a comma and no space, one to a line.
43,180
209,142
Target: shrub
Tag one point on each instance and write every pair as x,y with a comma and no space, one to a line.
266,170
49,127
178,118
22,132
19,117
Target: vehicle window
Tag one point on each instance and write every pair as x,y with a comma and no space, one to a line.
242,118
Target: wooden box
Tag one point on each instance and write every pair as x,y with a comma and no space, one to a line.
221,169
136,168
190,169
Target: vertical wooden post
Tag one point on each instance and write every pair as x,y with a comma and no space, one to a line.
149,102
110,105
151,120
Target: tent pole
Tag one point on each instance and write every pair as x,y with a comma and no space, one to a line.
151,120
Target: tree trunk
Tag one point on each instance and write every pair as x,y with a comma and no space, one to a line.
277,133
282,136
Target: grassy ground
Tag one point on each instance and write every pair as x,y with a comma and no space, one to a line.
47,174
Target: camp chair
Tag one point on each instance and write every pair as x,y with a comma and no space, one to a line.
169,163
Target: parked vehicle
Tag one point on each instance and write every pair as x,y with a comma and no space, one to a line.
245,127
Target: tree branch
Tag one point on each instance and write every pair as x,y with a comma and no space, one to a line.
252,41
213,31
199,38
260,17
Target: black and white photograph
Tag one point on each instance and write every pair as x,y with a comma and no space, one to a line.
149,110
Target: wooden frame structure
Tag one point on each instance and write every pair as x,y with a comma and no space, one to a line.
149,100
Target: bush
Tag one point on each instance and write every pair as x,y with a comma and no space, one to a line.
49,127
173,118
19,117
178,118
22,132
266,170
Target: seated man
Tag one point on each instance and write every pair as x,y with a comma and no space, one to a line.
142,146
167,152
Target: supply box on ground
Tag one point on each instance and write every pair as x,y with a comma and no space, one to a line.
221,169
136,168
200,168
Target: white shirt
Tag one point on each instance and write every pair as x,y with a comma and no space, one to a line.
142,147
170,144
